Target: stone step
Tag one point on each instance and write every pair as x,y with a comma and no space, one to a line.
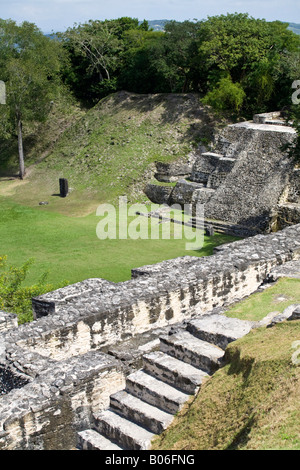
155,392
186,347
218,329
141,412
126,433
174,371
92,440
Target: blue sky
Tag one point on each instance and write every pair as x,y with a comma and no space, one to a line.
57,15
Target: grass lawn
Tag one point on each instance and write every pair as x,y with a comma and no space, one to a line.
275,298
68,247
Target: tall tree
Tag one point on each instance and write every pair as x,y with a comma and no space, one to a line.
30,64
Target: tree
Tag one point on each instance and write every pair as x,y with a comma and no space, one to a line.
30,63
139,72
176,53
94,49
247,50
97,51
226,96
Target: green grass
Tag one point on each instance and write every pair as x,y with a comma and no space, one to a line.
107,151
69,249
113,145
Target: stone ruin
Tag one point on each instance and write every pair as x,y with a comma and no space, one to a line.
246,182
60,372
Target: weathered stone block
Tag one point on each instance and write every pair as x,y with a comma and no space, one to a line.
158,194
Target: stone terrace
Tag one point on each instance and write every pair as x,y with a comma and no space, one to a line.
61,357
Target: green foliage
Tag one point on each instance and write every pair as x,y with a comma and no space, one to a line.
175,58
257,56
226,96
293,149
96,55
30,64
256,59
16,298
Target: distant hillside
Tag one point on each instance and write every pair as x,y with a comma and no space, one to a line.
295,27
159,25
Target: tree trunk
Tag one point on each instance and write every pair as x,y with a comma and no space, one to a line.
21,151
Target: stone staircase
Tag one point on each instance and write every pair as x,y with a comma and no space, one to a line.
169,377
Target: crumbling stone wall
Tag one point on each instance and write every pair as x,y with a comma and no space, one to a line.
61,355
253,188
158,194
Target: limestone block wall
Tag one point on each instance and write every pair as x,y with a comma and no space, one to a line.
61,358
183,192
171,293
292,194
170,172
288,214
158,194
211,166
7,320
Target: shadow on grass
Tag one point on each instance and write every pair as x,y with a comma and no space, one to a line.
242,436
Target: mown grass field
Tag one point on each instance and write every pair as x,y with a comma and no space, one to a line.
105,152
69,249
252,403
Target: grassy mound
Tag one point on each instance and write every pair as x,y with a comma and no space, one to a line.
250,404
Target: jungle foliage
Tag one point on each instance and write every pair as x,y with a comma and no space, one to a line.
252,60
